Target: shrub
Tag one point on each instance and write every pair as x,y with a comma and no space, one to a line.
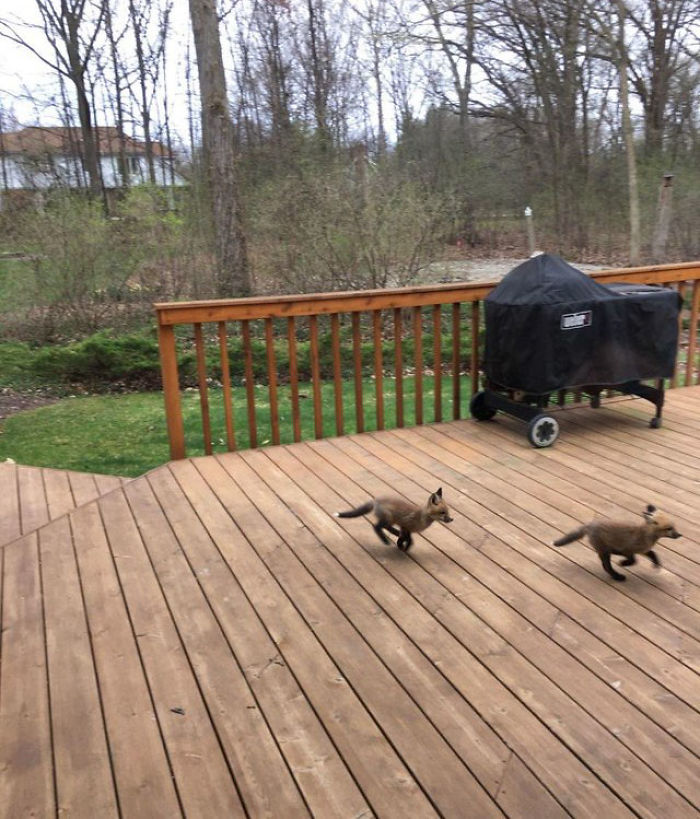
127,362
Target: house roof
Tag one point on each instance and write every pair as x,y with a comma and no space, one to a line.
36,140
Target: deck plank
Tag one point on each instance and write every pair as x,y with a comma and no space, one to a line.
10,521
141,768
33,504
59,498
26,770
84,782
204,781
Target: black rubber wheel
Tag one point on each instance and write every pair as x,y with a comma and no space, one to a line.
595,401
543,430
479,408
655,423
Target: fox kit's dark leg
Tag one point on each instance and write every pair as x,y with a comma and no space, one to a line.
607,565
379,529
651,554
628,561
405,540
394,531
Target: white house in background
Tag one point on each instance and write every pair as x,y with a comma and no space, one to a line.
37,159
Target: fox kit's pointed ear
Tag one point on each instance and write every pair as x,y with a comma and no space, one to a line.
651,508
649,513
439,492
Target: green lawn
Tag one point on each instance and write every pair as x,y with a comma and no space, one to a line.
126,435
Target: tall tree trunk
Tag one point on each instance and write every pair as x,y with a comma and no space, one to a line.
628,136
77,75
136,22
118,101
319,74
3,166
218,136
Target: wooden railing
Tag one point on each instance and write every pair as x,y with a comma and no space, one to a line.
400,317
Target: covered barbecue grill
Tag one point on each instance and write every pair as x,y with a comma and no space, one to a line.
550,327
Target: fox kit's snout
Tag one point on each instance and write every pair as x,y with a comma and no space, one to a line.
392,512
629,540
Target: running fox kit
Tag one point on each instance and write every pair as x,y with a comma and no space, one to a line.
391,513
629,540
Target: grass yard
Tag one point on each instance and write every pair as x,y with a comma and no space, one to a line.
126,434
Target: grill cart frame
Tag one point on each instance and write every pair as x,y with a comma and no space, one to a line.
543,428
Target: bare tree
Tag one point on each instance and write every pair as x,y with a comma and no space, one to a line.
71,30
117,84
232,274
665,30
628,135
149,51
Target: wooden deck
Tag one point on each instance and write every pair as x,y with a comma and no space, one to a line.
208,640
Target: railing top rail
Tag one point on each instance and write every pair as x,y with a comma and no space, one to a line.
257,307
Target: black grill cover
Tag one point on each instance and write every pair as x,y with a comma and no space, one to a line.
550,326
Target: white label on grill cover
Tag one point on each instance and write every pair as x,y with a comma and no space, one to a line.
572,321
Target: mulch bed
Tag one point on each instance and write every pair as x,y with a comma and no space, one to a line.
12,402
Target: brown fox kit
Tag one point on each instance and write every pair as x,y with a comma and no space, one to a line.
410,518
629,540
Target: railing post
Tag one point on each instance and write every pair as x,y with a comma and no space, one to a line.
692,333
171,391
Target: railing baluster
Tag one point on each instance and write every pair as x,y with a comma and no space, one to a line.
337,374
398,364
203,390
475,347
437,360
456,381
272,381
316,376
378,367
418,361
171,391
357,372
226,388
676,372
692,334
249,384
294,378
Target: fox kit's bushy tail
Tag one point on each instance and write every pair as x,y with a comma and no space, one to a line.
365,509
571,537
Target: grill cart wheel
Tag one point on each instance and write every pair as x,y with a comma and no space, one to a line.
543,430
655,423
479,408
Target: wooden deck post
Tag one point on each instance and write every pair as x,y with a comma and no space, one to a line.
171,391
692,333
